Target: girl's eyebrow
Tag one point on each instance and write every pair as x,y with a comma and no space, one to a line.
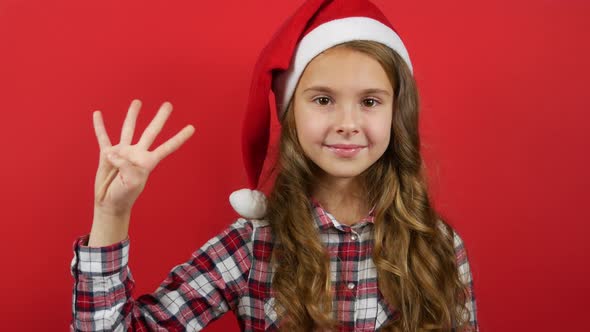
326,89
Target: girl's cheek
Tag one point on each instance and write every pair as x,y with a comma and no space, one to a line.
379,131
311,129
317,122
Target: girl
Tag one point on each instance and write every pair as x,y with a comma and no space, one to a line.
348,239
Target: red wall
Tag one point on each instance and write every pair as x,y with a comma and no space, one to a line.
504,88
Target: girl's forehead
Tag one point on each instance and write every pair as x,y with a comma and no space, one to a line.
345,68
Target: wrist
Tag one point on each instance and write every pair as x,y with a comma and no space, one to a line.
108,229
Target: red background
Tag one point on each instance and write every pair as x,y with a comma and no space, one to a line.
504,125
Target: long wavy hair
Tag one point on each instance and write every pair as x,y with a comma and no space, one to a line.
413,247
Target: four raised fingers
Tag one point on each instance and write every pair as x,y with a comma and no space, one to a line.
125,150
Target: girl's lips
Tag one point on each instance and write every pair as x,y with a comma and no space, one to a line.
345,146
345,150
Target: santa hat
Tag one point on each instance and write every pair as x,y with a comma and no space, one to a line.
315,27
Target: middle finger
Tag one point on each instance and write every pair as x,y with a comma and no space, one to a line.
129,124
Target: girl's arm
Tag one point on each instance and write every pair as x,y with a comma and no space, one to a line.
194,293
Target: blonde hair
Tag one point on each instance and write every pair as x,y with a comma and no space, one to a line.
414,256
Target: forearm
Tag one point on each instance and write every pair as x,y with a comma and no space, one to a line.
192,295
102,286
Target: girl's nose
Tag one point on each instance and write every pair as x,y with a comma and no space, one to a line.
347,122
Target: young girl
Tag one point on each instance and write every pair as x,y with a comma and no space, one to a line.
348,239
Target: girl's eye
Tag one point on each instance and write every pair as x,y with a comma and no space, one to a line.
370,102
322,101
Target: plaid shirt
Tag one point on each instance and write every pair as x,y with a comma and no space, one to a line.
232,271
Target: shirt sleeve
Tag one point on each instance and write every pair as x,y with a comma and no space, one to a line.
193,294
467,278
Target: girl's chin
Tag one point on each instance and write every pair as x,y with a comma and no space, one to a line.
336,172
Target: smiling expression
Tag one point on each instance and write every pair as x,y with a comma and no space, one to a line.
343,107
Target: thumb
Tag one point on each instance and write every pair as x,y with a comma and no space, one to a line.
129,170
117,160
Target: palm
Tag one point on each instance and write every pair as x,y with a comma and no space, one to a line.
119,181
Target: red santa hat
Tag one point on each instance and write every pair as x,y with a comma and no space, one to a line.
315,27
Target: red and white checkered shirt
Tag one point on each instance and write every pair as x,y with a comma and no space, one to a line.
232,271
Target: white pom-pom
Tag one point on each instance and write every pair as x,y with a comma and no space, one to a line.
248,203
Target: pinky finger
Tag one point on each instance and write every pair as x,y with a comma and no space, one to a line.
174,143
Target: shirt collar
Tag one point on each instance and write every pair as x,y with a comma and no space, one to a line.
324,220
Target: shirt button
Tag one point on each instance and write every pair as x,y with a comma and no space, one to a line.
353,237
350,285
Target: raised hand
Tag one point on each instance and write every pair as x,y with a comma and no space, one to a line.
123,169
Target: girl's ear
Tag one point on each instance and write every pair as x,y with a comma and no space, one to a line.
250,204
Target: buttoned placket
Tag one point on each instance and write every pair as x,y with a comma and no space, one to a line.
352,238
352,242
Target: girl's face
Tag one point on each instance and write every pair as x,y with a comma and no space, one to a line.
343,108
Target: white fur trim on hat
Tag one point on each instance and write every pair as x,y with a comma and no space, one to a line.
325,36
248,203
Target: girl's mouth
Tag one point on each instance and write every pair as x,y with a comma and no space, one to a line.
345,150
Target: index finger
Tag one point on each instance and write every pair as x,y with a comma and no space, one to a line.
174,143
100,131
